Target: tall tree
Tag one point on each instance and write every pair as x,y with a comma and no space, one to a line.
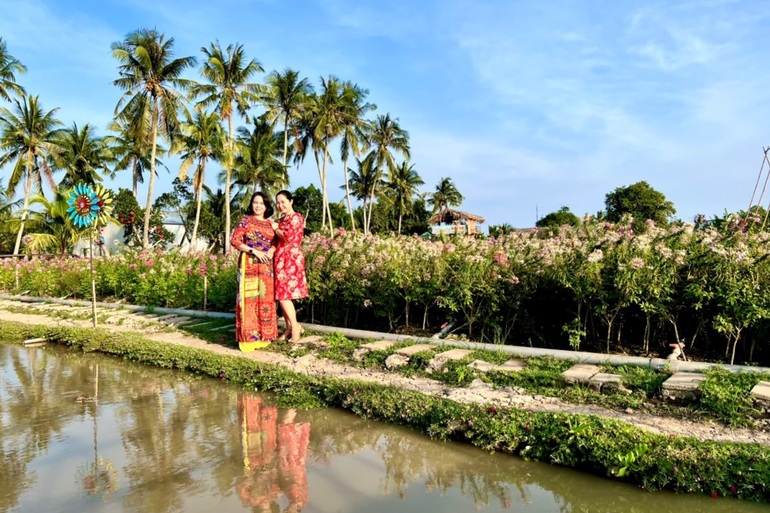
152,80
202,140
328,113
446,195
9,67
228,73
28,136
404,181
285,99
257,164
385,137
130,144
640,201
81,155
353,137
362,183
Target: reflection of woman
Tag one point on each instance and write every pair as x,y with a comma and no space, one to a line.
255,314
275,455
259,487
293,440
290,281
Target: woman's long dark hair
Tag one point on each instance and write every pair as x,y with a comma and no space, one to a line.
268,206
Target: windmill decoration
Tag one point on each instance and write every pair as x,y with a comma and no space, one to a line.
90,207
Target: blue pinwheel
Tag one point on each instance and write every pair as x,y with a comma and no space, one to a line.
84,205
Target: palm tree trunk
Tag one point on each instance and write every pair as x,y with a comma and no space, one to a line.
325,194
347,195
229,177
199,195
27,190
135,178
371,200
321,179
285,143
148,209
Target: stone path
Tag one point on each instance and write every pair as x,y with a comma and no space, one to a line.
681,386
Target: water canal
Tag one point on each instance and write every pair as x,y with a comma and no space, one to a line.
89,433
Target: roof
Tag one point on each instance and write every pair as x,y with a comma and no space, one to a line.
449,216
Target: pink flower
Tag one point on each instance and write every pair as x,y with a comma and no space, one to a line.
149,263
133,267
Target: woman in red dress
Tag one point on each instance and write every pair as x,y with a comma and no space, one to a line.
290,280
255,314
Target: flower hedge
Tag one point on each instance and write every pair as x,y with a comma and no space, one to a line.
599,286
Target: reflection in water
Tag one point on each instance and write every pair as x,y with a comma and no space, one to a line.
178,442
275,452
97,477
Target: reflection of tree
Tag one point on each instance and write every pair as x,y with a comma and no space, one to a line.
98,477
31,414
275,453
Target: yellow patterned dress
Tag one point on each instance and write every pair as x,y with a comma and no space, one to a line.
255,313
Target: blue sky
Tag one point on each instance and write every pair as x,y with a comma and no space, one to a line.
527,105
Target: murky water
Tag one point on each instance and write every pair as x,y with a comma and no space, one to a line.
86,433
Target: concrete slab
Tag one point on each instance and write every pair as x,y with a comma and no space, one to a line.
482,366
761,391
580,373
512,365
761,396
380,345
605,383
683,386
414,349
440,360
364,349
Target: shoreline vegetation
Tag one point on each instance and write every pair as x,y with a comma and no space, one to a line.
588,442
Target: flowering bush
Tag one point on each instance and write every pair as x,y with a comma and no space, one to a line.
598,286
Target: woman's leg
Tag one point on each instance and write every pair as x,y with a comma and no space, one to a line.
290,316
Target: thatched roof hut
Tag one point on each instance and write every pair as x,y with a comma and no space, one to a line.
449,216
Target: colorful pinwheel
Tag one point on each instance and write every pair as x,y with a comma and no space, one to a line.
89,205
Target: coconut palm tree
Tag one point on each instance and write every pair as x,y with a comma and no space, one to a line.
9,67
361,183
50,229
228,74
328,113
385,137
130,145
285,99
202,140
153,85
353,133
81,154
28,136
404,181
445,196
257,162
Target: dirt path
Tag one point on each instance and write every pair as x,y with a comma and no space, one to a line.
478,392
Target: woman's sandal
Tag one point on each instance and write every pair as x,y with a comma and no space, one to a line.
294,339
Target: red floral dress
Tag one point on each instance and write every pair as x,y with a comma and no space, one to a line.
290,280
255,313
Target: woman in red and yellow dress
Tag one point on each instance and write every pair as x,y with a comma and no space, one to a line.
255,313
290,280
